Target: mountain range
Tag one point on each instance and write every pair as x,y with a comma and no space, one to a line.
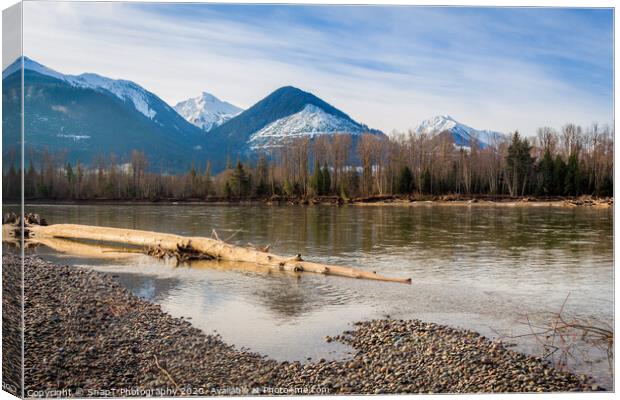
90,116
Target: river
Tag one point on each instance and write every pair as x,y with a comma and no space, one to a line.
484,268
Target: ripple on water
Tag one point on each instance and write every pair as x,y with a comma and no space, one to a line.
475,267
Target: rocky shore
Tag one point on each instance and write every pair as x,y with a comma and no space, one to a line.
376,200
11,325
88,336
488,200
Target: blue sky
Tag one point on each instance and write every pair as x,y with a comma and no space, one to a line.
389,67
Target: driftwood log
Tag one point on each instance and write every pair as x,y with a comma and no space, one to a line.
185,248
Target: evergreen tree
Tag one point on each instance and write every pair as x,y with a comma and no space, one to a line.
546,185
426,184
316,181
326,180
518,165
405,180
559,174
240,183
70,178
607,188
572,178
262,171
571,164
69,172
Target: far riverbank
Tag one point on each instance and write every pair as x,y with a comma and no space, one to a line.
379,200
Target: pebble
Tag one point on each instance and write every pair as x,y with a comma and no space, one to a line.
108,337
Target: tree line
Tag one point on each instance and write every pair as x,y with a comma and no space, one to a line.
571,162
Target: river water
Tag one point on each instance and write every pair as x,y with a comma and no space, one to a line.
484,268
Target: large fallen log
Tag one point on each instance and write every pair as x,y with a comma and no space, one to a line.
191,247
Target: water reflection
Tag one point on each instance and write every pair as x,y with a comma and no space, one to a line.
154,290
476,267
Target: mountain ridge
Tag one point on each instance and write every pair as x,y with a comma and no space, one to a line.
123,89
277,106
111,117
463,135
87,116
117,115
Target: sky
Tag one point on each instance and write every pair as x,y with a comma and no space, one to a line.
503,69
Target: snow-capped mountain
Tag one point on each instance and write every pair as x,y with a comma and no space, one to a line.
311,121
463,135
285,114
89,115
206,111
123,89
31,65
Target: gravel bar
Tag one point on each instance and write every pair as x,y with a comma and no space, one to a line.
88,336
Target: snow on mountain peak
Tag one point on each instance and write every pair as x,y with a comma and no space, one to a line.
311,121
124,90
462,134
436,125
206,111
33,66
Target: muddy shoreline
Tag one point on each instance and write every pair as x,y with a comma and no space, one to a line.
88,336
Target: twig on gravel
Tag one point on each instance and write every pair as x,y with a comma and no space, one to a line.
166,373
